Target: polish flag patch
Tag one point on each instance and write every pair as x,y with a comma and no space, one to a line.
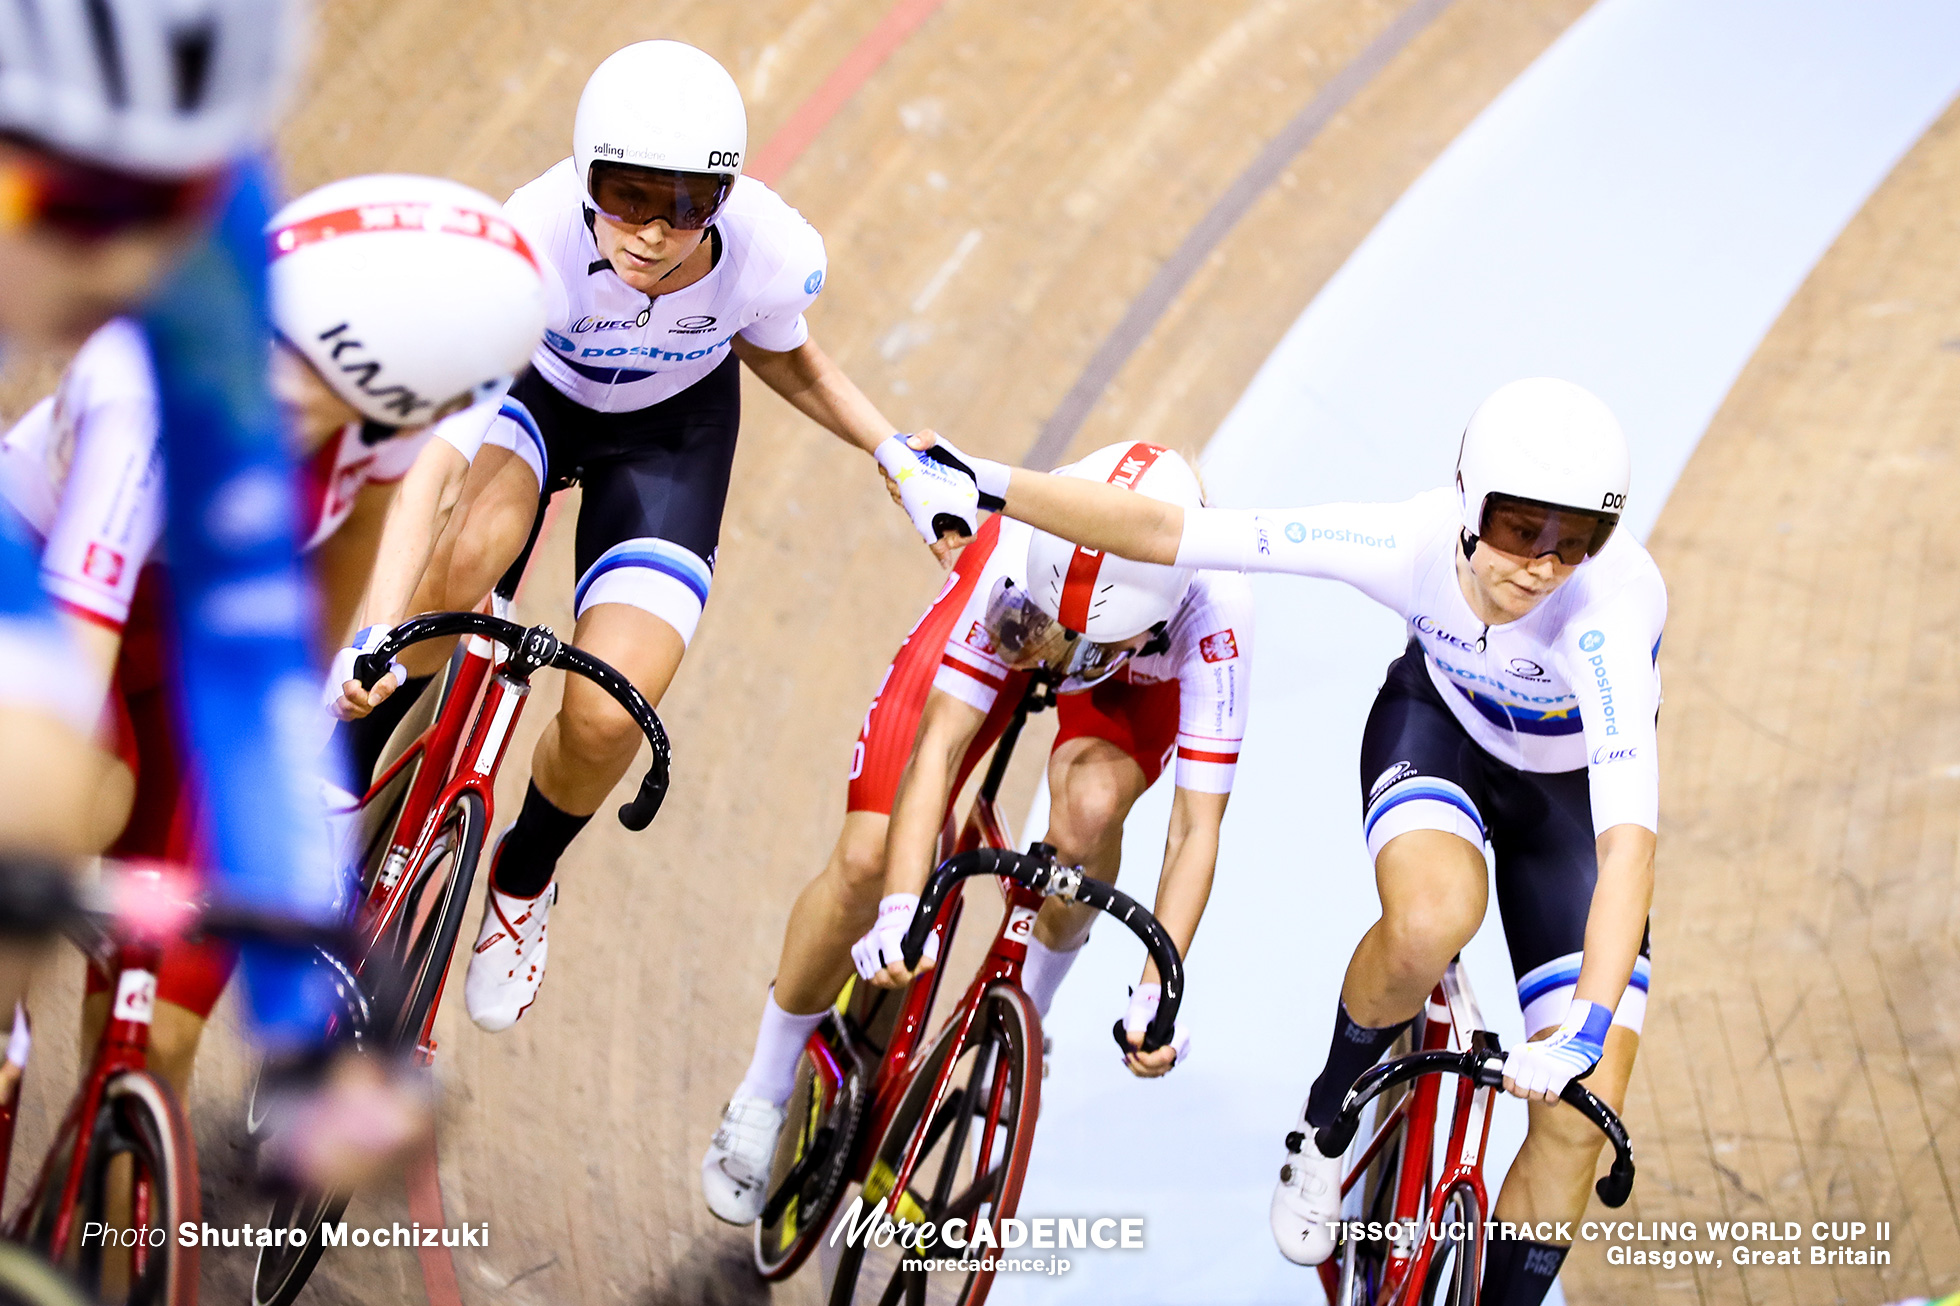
102,564
1220,647
977,638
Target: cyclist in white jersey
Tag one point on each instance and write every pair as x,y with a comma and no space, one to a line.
365,264
673,266
1522,715
1150,665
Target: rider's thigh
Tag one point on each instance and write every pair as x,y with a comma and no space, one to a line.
48,772
499,501
1434,889
1092,784
641,647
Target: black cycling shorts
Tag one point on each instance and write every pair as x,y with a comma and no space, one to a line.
655,482
1421,770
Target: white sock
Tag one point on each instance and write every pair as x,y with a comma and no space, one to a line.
1044,971
778,1044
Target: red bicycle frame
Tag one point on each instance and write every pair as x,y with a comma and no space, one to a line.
1424,1183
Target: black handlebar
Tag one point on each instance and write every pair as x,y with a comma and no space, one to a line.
1038,870
1484,1065
40,897
533,647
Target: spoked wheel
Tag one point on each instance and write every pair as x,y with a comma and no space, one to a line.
296,1218
972,1156
411,960
1457,1262
1356,1275
813,1154
143,1198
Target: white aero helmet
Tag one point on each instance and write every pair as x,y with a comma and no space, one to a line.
1104,598
161,88
1542,469
660,133
405,293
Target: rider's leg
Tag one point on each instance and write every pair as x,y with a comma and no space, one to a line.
1092,784
484,535
1434,889
1551,1180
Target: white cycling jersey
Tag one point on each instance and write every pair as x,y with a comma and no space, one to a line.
613,349
85,470
1209,655
1573,684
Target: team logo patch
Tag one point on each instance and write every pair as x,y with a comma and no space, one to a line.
1296,532
1220,647
102,564
1591,640
978,638
814,284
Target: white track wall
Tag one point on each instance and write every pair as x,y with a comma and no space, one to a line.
1632,214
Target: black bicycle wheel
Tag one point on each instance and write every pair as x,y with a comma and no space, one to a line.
138,1119
27,1280
990,1108
406,970
283,1270
813,1154
1458,1260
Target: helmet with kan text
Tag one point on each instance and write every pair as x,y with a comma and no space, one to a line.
408,295
1099,596
1543,468
660,132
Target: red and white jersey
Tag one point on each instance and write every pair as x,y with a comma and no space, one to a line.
84,469
1209,655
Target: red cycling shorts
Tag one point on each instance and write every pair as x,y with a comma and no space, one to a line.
163,822
1139,719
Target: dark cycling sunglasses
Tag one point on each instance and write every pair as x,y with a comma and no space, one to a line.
87,202
1528,529
635,196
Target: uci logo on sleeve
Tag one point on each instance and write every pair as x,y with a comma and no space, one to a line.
1591,641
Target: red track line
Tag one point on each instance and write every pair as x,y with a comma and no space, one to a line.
815,113
768,163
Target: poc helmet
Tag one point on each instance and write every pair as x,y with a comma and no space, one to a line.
1551,451
1099,596
666,108
142,87
406,294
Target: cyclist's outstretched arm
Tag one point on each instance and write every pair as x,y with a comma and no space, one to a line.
946,729
1190,860
1617,919
1096,515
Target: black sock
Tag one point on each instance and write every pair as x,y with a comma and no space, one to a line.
367,739
1353,1050
1518,1272
531,850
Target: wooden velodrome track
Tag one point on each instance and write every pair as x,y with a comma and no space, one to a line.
995,197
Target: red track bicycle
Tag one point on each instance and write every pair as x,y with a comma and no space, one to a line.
423,824
924,1132
1414,1193
78,1210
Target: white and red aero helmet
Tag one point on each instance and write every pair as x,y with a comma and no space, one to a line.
405,293
1100,596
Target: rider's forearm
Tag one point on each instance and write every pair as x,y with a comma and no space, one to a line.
415,521
1617,919
924,790
819,389
1190,860
1097,516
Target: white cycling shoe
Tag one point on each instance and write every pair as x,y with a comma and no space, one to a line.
735,1172
1306,1201
507,966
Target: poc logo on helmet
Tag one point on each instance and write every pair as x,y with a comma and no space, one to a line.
1613,502
724,158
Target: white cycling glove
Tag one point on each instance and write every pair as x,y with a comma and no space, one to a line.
1548,1065
884,944
989,477
366,640
1143,1007
937,491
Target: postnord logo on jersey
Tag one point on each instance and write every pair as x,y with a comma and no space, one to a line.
1220,647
